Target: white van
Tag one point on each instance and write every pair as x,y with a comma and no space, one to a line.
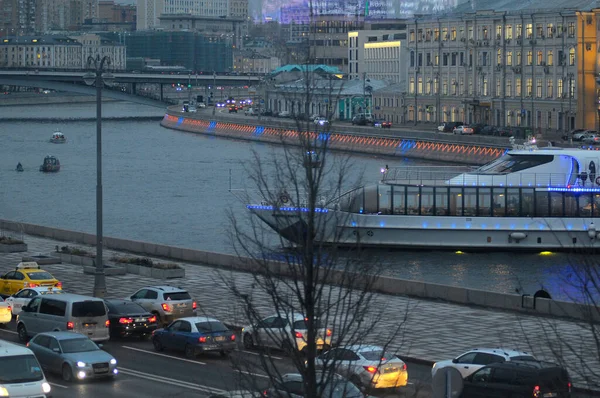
64,312
20,373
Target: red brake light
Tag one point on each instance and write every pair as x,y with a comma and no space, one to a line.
9,308
194,305
107,323
70,326
299,335
569,385
33,285
202,339
370,369
58,284
329,332
152,319
125,320
233,337
403,366
27,345
536,391
166,307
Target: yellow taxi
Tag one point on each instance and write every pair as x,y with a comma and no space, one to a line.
26,274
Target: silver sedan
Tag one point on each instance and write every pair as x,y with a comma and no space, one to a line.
73,356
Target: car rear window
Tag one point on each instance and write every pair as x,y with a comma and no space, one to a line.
88,309
39,276
128,308
301,325
377,355
177,296
209,327
523,358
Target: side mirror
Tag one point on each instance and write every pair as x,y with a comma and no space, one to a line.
455,360
100,345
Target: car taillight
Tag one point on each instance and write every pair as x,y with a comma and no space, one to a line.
9,308
569,386
58,285
536,391
202,339
329,332
166,307
152,319
107,323
27,345
194,305
370,369
33,285
403,366
125,320
70,326
233,337
299,335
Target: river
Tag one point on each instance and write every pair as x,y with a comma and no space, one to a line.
170,187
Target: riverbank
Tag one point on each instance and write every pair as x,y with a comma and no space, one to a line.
31,98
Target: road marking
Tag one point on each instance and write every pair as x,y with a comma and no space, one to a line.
163,355
258,354
253,374
174,382
8,331
58,385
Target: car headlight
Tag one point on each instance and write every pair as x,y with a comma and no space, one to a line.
113,361
46,388
80,364
3,392
434,365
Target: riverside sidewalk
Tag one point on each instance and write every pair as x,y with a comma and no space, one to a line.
433,331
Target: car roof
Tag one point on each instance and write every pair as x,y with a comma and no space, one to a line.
501,351
73,297
63,335
363,348
9,349
116,301
165,288
195,319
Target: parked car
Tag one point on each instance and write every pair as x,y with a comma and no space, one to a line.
463,130
129,319
250,112
192,109
291,386
283,332
65,312
489,130
593,139
477,358
201,105
580,135
22,374
362,120
166,302
384,124
24,296
518,379
478,127
571,134
73,356
284,114
366,366
321,121
195,335
448,127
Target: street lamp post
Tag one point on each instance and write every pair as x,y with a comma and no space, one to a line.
98,78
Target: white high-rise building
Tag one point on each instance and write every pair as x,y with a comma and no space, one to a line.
148,12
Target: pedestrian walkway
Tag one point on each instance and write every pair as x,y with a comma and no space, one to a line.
433,330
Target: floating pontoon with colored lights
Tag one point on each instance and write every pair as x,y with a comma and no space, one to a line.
529,199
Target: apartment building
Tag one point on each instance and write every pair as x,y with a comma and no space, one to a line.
148,12
17,17
511,67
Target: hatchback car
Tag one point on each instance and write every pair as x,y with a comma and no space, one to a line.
129,319
463,130
195,335
73,356
284,332
366,366
291,386
24,296
166,302
26,274
477,358
518,379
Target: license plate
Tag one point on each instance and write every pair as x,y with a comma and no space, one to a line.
101,370
220,338
88,325
390,370
182,305
211,347
550,394
140,319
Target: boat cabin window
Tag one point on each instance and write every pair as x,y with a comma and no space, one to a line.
412,201
385,199
499,202
399,199
371,202
441,201
514,163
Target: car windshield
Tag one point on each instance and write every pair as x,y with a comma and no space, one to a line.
177,296
209,327
377,355
20,369
39,276
70,346
88,309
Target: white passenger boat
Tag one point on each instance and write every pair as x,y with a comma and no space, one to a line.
58,138
529,199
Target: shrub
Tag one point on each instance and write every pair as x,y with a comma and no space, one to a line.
7,240
76,251
144,262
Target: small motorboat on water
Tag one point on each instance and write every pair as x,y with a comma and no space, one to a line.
19,167
58,138
51,165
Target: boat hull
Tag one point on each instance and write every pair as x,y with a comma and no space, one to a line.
439,233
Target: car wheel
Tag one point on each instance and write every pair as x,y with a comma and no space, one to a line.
22,332
190,351
67,373
157,344
248,341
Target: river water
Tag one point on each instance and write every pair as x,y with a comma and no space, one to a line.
171,187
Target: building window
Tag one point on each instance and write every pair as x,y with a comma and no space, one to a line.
509,58
471,37
538,88
427,34
454,87
436,34
550,29
572,57
436,85
519,31
559,88
484,58
549,88
518,87
539,30
549,122
529,31
509,32
518,58
411,36
485,33
499,57
540,58
453,34
508,89
499,32
428,87
420,85
498,87
571,30
411,88
572,87
529,87
444,87
445,35
529,57
549,58
412,59
485,86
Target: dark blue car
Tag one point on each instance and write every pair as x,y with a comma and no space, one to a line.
195,335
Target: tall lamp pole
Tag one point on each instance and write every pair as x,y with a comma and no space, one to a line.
99,78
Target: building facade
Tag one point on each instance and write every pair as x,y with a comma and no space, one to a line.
18,17
377,54
252,62
512,68
63,15
148,13
112,12
93,45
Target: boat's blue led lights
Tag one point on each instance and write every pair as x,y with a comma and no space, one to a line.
453,226
382,224
541,227
180,120
295,209
573,189
354,223
259,130
424,225
512,226
497,226
569,227
468,226
439,225
526,226
483,226
212,124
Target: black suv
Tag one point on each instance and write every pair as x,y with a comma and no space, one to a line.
518,379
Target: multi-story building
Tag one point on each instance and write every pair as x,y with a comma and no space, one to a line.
505,67
57,52
238,9
250,61
61,15
230,28
18,17
112,12
148,12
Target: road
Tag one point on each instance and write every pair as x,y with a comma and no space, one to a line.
144,372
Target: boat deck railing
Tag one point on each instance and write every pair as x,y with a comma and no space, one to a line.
465,176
